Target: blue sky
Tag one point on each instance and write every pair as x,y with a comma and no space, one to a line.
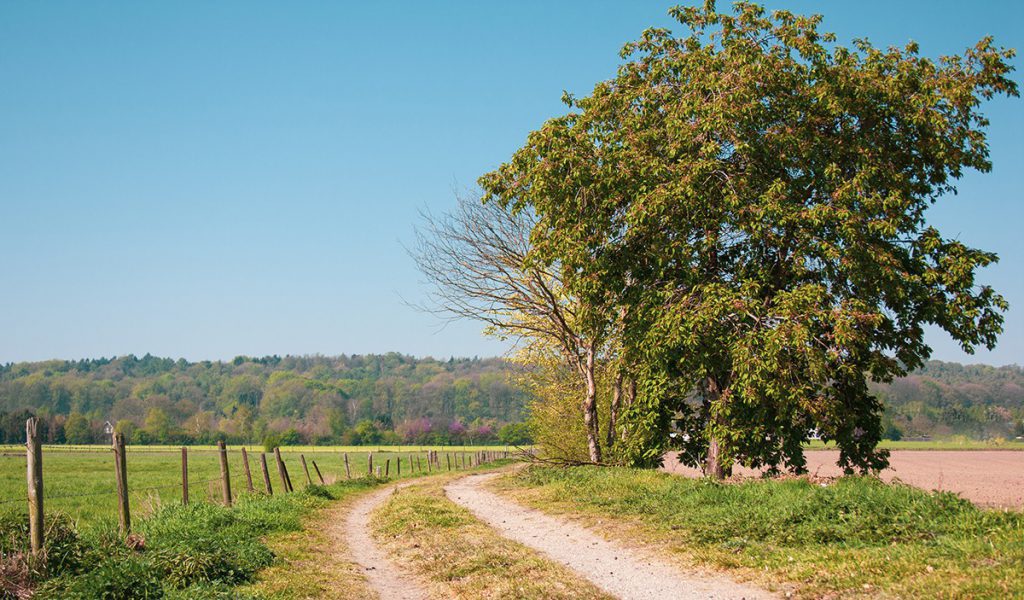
204,180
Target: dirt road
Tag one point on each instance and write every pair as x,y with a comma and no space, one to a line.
623,572
990,478
381,573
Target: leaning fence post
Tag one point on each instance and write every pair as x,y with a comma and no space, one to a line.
282,471
348,472
121,473
317,469
225,476
184,475
266,475
305,469
248,473
34,457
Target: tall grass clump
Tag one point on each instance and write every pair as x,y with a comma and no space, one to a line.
201,550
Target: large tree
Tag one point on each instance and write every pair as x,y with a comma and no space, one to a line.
752,197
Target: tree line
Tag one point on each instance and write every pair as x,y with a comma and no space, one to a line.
349,399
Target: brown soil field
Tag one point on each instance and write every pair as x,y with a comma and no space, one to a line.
989,478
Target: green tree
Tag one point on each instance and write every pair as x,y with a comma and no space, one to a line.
754,197
77,429
158,425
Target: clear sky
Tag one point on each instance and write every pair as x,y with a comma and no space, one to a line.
209,179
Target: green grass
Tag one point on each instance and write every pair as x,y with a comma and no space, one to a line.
854,536
80,482
197,551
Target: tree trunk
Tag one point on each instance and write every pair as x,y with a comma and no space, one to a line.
590,409
714,463
630,393
616,400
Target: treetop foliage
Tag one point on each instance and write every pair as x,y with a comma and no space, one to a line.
744,207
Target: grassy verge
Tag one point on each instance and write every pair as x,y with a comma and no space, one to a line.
461,557
310,563
855,536
197,551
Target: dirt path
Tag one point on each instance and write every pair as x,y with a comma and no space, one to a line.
380,572
992,478
620,571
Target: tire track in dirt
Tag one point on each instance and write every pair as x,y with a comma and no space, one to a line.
620,571
385,577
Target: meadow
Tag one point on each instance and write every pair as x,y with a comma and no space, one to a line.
79,480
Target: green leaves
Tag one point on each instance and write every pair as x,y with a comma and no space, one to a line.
755,197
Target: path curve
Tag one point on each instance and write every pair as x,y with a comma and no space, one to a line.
620,571
384,576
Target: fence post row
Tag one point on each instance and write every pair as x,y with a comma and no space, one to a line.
225,477
266,475
121,474
248,474
34,458
184,475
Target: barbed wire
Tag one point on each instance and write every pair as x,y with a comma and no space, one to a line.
176,486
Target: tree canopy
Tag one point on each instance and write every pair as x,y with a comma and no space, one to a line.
745,204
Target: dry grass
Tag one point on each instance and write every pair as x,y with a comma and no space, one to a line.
312,563
461,557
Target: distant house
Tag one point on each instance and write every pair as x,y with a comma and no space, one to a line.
108,429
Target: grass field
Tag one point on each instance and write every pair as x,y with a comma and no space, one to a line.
79,480
852,537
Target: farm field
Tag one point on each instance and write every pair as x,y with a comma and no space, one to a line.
988,478
79,481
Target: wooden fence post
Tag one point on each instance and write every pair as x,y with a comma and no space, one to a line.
428,463
387,468
124,520
266,475
412,465
448,459
225,476
34,457
398,461
317,469
184,475
377,472
369,464
305,468
348,472
282,470
248,473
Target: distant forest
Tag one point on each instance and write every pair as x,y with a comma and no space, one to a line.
392,399
372,399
